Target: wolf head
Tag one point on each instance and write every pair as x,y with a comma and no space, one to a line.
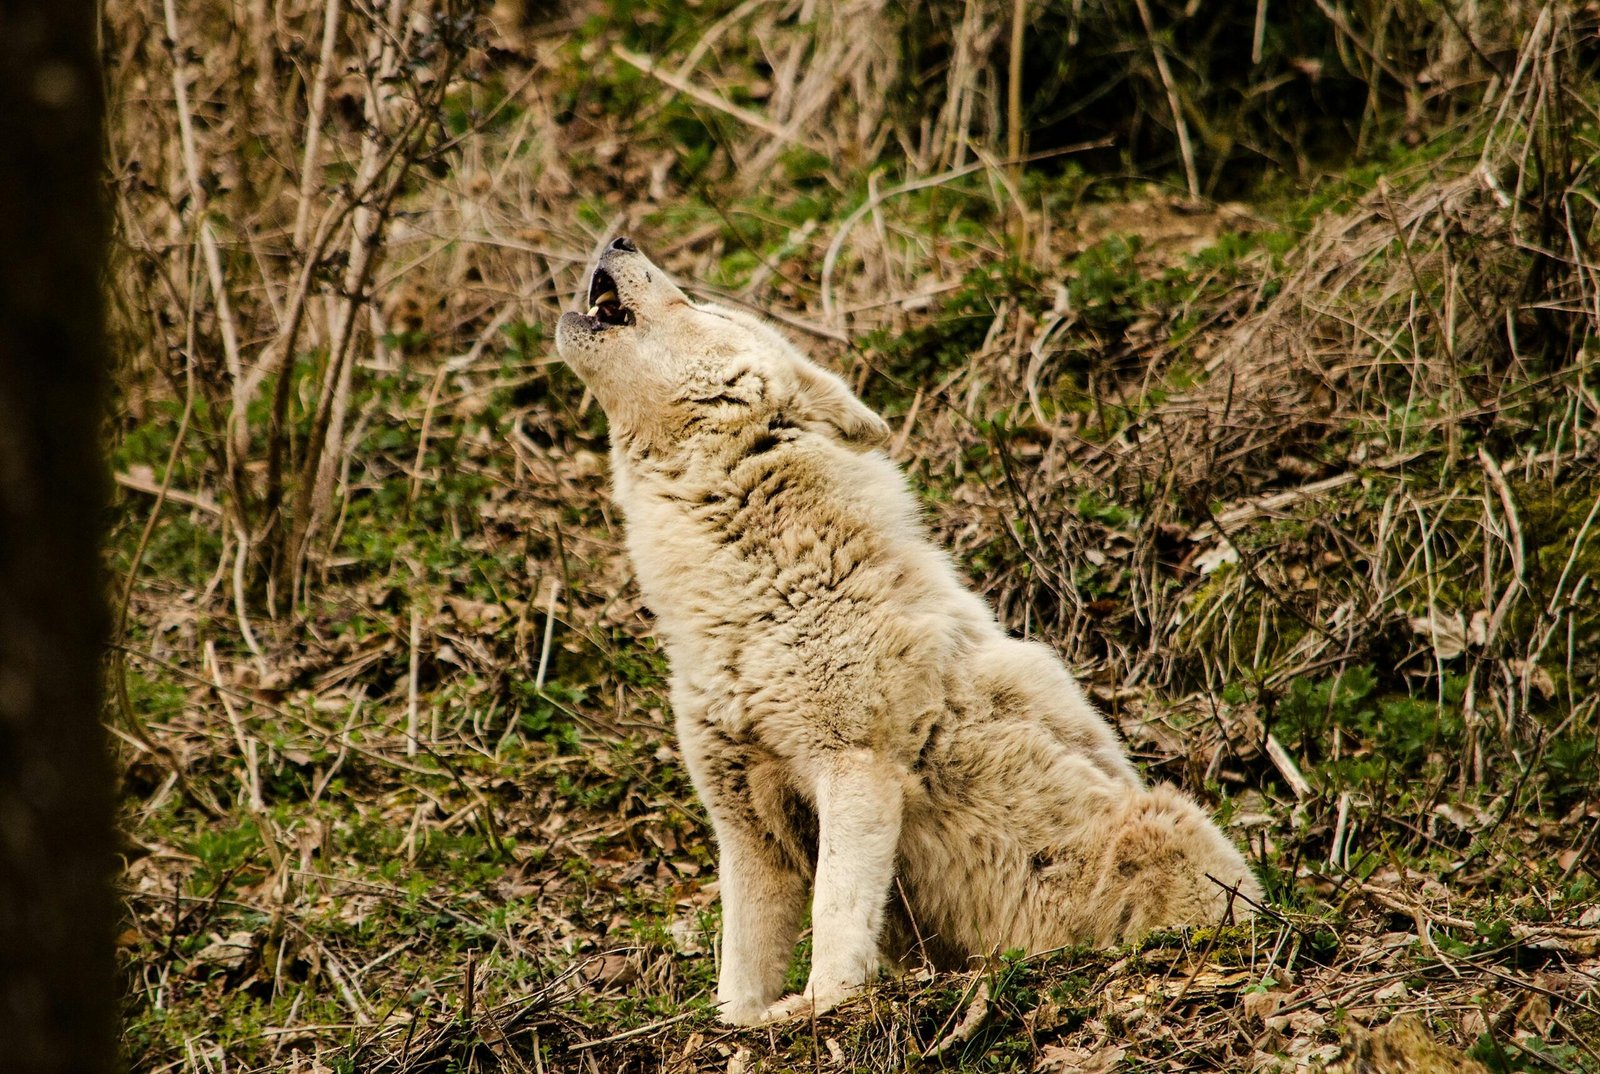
665,369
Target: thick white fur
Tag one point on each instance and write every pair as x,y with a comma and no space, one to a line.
858,725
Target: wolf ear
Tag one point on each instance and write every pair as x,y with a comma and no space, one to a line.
825,399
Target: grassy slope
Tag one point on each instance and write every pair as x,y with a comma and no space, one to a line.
1325,570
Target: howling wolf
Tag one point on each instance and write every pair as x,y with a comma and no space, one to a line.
857,723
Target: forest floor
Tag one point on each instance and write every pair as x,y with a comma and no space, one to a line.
1303,483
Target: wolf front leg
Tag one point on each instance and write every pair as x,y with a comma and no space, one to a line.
763,901
763,873
859,799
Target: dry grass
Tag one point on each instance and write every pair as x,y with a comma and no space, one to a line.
1311,503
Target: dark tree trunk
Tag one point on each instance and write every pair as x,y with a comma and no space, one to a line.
57,977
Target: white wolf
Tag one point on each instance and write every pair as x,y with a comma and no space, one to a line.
856,721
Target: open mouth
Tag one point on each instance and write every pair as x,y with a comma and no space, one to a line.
604,305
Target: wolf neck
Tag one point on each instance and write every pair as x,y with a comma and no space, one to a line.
794,527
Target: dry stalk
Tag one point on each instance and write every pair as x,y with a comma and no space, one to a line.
682,85
208,240
311,160
413,728
1179,124
1019,9
315,489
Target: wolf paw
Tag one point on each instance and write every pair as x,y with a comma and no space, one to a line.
737,1013
804,1005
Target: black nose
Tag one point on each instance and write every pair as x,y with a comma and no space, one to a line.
622,242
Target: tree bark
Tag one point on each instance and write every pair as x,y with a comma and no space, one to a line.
57,976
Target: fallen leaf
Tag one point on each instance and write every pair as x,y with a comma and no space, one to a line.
228,952
687,935
1219,554
1535,1014
1403,1045
1446,631
1065,1059
1393,992
1259,1006
609,971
